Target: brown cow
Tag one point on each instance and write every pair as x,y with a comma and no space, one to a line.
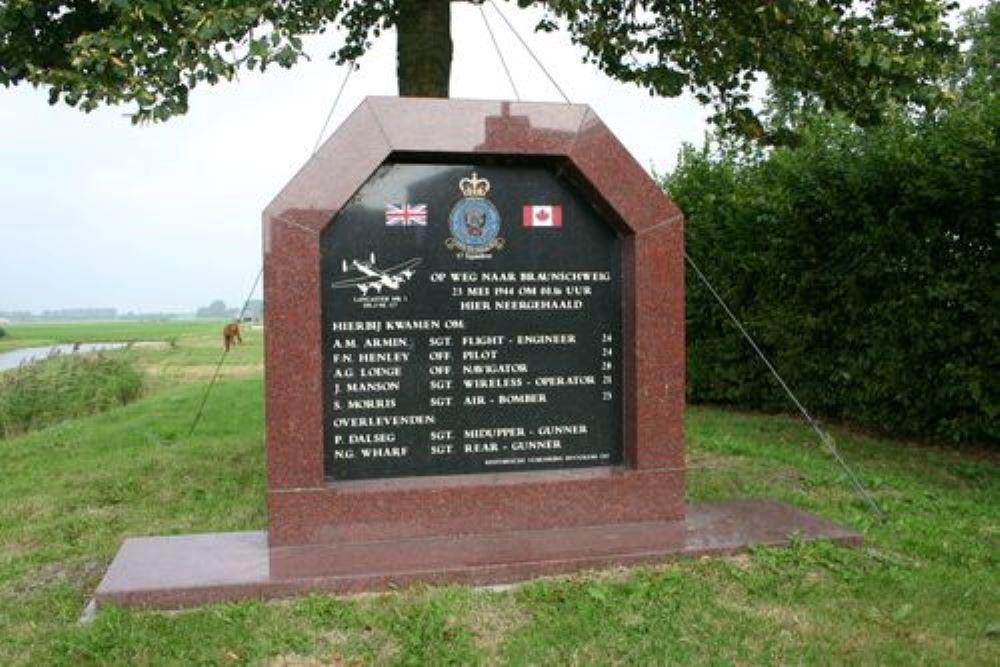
231,334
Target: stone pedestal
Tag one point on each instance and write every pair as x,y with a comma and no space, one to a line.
188,570
304,507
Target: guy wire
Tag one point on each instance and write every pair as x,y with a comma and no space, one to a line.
343,84
824,438
496,46
222,358
528,49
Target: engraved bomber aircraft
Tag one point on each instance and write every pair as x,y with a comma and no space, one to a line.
374,278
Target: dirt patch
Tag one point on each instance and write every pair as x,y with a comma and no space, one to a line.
741,561
615,574
788,618
493,618
294,660
370,641
77,573
301,661
716,466
204,372
150,345
704,461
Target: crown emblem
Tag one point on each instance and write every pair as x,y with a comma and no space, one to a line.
474,186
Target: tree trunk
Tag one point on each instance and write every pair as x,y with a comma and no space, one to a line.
423,51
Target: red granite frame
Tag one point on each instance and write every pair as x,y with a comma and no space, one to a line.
304,507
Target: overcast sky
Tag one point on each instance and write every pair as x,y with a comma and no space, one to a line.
99,213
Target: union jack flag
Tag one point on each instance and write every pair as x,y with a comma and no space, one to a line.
406,215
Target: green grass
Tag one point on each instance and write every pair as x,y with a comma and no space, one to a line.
923,590
169,351
32,334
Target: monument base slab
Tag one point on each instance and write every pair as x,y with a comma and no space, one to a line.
187,570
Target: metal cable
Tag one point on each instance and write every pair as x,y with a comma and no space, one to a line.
218,366
824,438
528,49
496,46
343,84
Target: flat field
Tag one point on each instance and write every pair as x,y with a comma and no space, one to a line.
925,589
170,351
47,333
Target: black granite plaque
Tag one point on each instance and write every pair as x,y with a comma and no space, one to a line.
471,324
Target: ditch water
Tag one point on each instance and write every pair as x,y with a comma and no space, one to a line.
28,355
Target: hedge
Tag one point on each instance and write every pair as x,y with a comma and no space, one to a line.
865,263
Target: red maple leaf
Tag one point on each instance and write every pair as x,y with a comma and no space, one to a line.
542,215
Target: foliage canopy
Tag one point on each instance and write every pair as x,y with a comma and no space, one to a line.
852,55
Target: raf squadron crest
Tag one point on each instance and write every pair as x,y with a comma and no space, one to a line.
474,221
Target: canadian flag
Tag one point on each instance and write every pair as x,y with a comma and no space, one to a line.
542,216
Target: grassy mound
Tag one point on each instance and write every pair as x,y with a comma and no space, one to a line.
51,391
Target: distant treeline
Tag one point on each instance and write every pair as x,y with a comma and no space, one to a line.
220,311
82,315
216,310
